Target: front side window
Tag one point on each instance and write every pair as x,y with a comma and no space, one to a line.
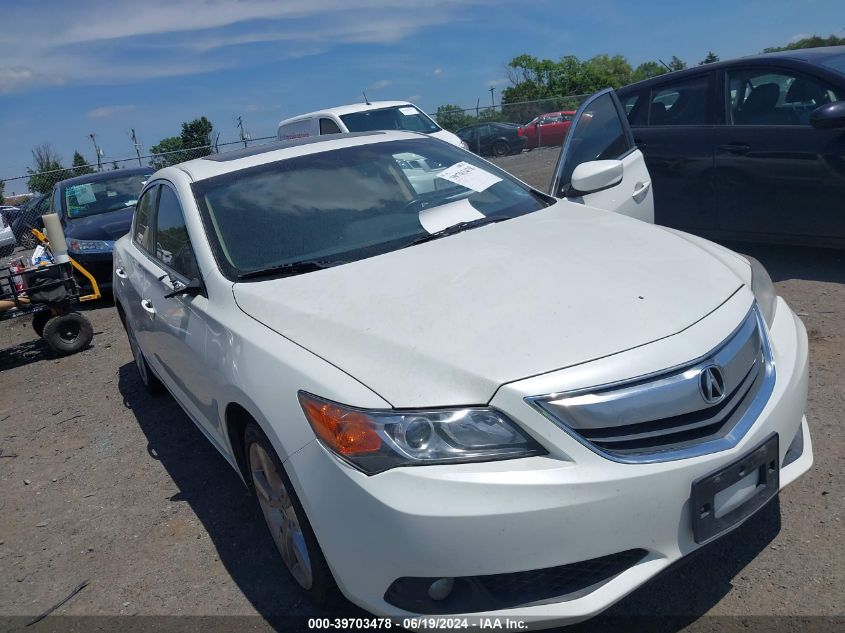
347,204
774,97
101,196
681,103
327,126
392,118
141,226
597,135
172,244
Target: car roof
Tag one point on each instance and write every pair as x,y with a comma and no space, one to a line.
347,109
219,164
810,55
105,175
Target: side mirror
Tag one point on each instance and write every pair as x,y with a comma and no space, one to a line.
829,116
596,174
192,289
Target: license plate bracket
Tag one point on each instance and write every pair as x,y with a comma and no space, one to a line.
706,524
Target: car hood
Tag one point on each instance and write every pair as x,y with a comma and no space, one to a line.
448,321
103,226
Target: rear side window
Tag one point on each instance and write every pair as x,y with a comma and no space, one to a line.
141,229
173,246
327,126
681,103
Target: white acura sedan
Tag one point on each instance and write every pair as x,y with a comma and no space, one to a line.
463,396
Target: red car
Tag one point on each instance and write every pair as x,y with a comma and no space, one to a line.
547,129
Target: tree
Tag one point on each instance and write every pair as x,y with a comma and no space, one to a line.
451,117
813,41
196,135
647,70
2,190
676,63
48,169
114,165
80,165
168,151
709,59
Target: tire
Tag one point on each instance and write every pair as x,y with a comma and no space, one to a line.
501,148
152,385
5,251
286,520
68,333
27,240
39,320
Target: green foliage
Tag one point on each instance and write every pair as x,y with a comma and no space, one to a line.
114,165
196,135
451,117
647,70
814,41
676,63
709,59
48,169
167,152
80,165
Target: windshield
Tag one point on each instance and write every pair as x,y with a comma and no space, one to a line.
393,118
347,204
102,196
837,62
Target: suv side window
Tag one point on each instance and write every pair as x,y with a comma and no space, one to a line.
775,97
327,126
172,244
681,103
141,224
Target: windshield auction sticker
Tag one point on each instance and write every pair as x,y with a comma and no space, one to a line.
469,176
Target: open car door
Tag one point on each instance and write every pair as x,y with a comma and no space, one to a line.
599,163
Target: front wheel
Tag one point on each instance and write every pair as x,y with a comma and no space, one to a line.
286,518
501,148
68,333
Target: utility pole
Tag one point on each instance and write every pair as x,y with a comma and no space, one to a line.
492,100
97,151
137,147
241,130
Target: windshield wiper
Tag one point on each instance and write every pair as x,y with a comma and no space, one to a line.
458,228
293,268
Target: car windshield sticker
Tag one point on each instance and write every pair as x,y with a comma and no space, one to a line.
84,194
408,111
469,176
445,215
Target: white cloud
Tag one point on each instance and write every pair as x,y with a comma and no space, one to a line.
494,83
437,71
106,111
381,83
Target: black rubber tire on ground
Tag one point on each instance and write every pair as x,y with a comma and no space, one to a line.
323,589
27,240
68,333
39,320
501,148
152,385
5,251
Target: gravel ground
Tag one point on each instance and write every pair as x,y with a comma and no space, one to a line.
101,482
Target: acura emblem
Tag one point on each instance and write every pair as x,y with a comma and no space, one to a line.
711,382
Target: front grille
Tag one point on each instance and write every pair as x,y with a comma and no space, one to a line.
667,415
473,594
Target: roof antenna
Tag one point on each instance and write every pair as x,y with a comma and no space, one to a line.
668,67
367,101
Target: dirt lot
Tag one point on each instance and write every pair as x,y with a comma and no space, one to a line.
101,482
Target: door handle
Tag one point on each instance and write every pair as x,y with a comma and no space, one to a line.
120,273
148,306
735,148
640,189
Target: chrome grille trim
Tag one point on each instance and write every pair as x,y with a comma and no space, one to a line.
634,421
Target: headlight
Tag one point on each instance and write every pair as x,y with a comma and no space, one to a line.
89,246
375,441
764,290
465,145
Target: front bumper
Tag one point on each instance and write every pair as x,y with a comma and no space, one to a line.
98,264
531,514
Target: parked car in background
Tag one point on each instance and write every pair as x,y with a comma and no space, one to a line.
388,366
750,148
29,217
95,210
493,139
364,117
7,237
547,129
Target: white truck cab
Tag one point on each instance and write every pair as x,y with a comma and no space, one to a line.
364,117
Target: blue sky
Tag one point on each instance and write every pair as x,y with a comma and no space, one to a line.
72,68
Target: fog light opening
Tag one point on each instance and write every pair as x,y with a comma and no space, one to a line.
441,588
